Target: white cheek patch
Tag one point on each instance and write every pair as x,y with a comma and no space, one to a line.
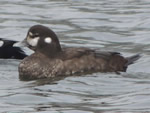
1,43
48,40
33,42
30,33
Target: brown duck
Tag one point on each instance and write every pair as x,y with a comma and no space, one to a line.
50,60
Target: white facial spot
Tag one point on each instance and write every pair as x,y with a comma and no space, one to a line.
48,40
1,43
30,33
33,41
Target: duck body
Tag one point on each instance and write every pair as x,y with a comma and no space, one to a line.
50,60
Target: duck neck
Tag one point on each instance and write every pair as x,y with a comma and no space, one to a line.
51,52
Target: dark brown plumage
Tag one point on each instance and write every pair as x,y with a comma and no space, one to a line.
50,60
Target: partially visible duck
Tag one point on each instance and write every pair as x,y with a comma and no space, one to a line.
51,60
7,51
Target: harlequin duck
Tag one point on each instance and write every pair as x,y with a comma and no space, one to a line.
7,51
51,60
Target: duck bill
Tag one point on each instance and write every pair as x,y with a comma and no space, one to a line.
21,44
24,44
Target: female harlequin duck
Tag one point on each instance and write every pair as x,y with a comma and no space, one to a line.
7,51
50,60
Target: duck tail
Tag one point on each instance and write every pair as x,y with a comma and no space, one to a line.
133,59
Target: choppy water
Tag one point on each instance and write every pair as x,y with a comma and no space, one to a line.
116,25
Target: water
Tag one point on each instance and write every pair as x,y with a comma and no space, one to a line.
114,25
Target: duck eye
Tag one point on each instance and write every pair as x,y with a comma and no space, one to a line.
36,35
33,35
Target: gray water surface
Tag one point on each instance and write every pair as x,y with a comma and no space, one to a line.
111,25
